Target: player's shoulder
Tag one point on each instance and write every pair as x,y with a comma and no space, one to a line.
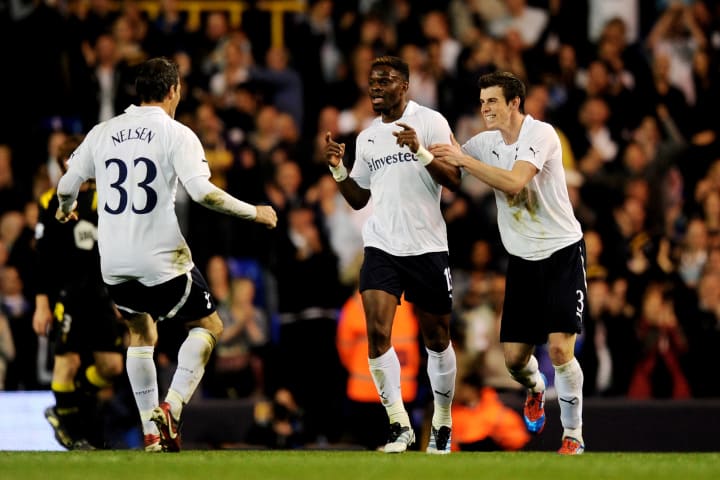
535,126
485,138
181,128
370,129
424,111
180,132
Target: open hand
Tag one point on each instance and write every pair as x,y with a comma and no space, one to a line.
451,153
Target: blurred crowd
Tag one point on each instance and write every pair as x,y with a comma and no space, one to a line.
630,85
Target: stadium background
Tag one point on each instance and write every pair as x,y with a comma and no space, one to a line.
645,197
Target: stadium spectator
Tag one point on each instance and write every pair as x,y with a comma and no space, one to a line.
527,20
237,369
280,84
675,36
168,31
483,422
12,194
7,348
234,70
23,371
343,226
307,321
700,322
658,372
278,424
218,277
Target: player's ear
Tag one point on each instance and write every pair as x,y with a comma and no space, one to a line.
174,91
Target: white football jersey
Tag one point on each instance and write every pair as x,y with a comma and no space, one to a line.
540,219
136,159
406,218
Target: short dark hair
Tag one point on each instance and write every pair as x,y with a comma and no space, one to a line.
154,79
396,63
511,85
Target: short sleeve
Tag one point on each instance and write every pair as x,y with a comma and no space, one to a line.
360,172
438,130
81,160
538,145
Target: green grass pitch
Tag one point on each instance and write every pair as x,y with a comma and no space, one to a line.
352,465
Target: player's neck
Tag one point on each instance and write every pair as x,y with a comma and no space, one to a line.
164,105
511,133
394,113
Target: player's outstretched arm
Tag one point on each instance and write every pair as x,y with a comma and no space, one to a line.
508,181
208,195
354,194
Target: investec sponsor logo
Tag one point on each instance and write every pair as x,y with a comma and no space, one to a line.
375,164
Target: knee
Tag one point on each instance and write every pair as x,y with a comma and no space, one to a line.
214,325
66,366
560,357
436,331
561,352
379,341
143,330
437,344
110,366
516,362
513,367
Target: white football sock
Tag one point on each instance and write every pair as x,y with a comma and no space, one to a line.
142,374
193,356
385,371
441,369
569,384
529,376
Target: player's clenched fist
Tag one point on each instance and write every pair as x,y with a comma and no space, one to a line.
63,217
266,215
333,151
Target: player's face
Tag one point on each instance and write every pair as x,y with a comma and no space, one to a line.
387,88
494,107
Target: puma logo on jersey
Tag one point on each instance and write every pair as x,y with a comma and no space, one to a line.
371,140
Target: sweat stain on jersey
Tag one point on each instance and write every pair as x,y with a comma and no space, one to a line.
525,199
181,257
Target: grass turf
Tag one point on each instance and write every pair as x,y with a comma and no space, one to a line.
351,465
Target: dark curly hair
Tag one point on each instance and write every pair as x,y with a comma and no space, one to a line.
396,63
